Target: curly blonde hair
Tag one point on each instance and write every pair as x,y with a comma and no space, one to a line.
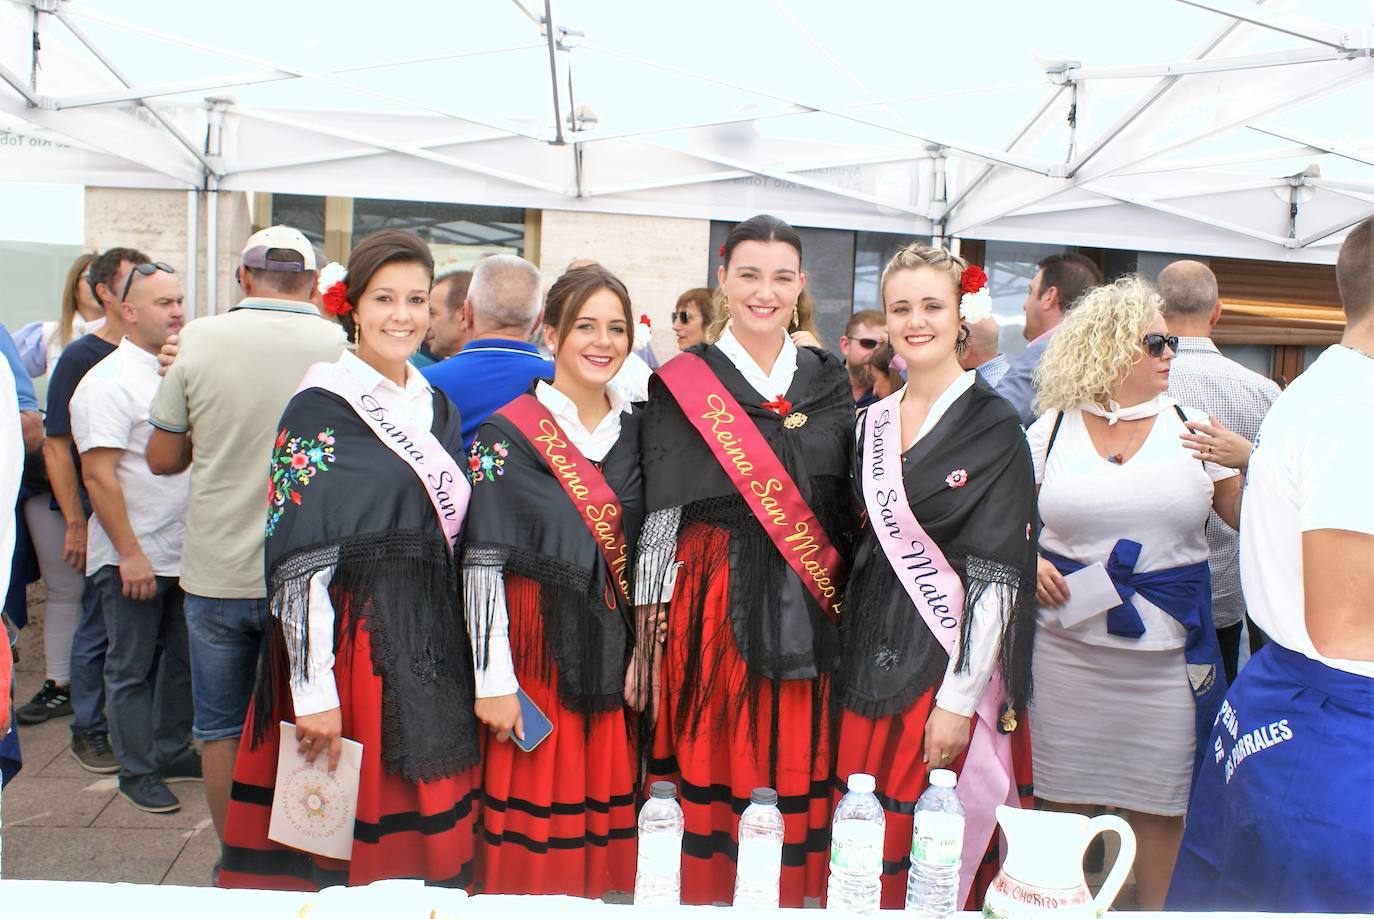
919,255
1099,341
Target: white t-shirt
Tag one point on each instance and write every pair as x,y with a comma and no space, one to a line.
110,409
1308,472
1160,498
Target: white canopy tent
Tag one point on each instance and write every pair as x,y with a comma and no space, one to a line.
1214,127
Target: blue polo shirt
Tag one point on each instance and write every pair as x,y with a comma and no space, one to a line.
485,375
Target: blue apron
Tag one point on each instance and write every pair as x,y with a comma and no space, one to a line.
1185,593
1282,813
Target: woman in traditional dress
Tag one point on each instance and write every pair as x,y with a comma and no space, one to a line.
1124,696
746,448
365,501
557,506
941,464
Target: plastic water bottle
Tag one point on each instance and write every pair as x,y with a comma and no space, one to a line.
856,850
937,847
759,866
658,879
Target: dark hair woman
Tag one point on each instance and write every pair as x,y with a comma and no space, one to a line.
366,498
746,466
556,507
942,465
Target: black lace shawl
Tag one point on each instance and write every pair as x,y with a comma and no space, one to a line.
339,498
522,522
986,529
778,628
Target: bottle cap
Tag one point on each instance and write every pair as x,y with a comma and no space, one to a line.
944,778
764,796
663,790
861,782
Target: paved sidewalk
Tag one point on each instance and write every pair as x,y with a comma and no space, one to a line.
62,823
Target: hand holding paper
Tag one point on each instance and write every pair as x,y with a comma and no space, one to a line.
313,808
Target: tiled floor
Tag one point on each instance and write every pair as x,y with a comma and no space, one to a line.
61,822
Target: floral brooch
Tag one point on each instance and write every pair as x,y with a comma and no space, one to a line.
957,479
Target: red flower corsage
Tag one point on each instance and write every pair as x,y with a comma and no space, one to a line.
721,253
335,299
779,405
957,479
973,280
644,321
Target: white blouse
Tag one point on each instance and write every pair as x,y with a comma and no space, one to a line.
960,690
317,691
484,586
1160,498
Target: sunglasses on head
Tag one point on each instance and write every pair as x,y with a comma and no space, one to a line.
145,268
1155,343
681,317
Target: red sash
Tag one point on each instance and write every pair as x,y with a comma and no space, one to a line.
758,475
582,482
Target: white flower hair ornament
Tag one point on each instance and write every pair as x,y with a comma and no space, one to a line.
333,286
975,302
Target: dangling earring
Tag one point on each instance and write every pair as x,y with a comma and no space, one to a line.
796,319
354,337
961,343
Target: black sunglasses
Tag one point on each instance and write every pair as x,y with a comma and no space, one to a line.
145,268
869,343
1155,342
681,316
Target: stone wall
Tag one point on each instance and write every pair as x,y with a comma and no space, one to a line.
657,258
154,221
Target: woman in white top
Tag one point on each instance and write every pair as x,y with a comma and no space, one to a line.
951,450
40,344
557,505
1122,689
365,499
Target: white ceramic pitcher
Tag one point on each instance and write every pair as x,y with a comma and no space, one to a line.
1043,872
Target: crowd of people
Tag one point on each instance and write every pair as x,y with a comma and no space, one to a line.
760,563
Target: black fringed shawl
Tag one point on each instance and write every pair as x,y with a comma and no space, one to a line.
986,529
339,498
522,522
778,627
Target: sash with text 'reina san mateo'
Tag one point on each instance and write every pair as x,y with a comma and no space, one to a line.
758,475
444,482
934,588
582,482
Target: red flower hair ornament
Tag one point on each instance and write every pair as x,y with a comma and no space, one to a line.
334,289
975,300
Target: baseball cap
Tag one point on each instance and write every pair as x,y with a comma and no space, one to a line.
284,240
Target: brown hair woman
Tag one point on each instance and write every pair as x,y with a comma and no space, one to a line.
365,500
557,504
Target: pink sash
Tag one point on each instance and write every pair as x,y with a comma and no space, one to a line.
444,482
935,589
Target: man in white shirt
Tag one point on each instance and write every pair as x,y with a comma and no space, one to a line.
1282,813
134,549
1201,377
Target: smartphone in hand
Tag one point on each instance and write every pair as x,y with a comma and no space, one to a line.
536,724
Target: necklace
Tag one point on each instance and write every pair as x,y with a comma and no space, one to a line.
1118,457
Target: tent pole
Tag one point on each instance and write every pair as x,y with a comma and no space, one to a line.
553,73
211,251
192,249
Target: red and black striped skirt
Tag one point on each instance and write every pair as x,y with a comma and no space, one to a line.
403,829
561,818
890,750
718,761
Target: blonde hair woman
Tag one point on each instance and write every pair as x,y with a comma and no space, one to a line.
41,343
1122,694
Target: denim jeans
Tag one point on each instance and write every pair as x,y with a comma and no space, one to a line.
147,674
226,639
88,665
